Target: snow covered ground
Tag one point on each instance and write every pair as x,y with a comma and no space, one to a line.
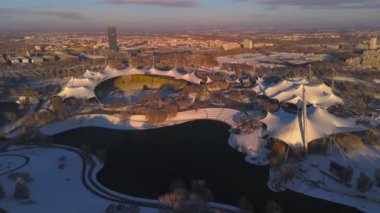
273,60
52,189
373,83
61,182
252,145
304,187
11,162
349,79
69,188
139,122
311,181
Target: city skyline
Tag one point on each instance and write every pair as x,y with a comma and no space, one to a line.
146,15
151,106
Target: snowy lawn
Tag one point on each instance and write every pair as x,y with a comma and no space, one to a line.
54,188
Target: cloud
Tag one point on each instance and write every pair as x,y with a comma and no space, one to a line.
10,11
165,3
325,4
7,12
65,15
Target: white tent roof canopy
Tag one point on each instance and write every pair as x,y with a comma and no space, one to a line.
93,75
78,92
320,95
174,73
275,89
90,79
292,91
81,82
191,77
289,127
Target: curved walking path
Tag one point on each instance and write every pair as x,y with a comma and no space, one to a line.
139,122
26,161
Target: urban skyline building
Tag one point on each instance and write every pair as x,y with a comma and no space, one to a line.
373,44
112,38
247,44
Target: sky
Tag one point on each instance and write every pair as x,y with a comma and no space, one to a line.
156,15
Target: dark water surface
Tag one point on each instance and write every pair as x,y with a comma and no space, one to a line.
145,163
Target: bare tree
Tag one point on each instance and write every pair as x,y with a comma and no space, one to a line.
2,193
21,190
10,116
272,207
122,208
377,177
246,205
364,183
181,199
59,107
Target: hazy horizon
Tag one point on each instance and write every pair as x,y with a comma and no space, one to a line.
160,15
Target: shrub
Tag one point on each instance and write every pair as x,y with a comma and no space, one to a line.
364,183
23,175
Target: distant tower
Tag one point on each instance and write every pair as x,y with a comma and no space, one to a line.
112,38
373,44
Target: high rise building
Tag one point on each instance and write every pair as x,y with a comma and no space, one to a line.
112,38
247,43
373,44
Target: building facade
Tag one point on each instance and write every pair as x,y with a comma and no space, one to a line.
247,44
112,38
231,45
373,44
